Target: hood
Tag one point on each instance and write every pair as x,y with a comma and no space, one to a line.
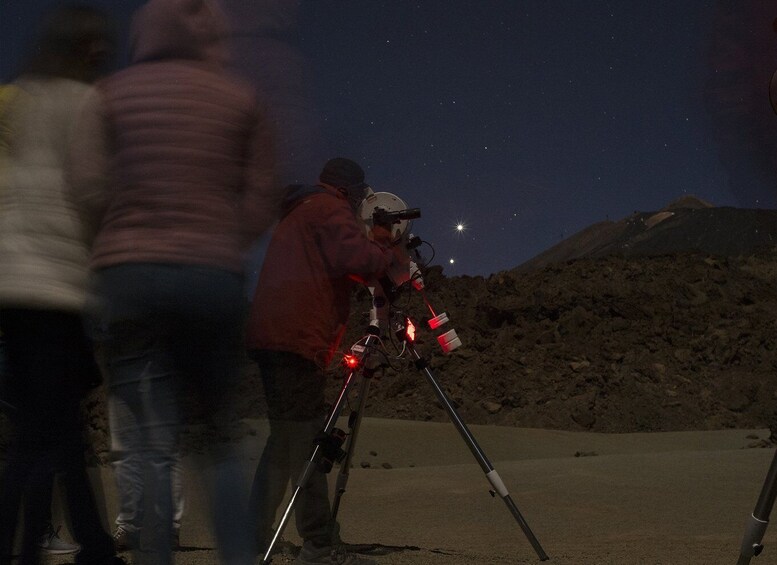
179,29
296,193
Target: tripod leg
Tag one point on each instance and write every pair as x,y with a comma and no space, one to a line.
311,464
759,520
345,466
491,474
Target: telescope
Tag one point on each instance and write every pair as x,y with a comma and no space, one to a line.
386,218
389,210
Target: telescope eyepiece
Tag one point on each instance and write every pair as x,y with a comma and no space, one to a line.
384,217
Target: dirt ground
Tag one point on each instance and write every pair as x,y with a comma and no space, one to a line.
416,496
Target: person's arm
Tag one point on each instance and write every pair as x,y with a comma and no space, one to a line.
347,249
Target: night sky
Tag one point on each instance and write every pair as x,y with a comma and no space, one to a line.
527,121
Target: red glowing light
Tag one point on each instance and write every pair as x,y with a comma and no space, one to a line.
410,331
350,361
429,306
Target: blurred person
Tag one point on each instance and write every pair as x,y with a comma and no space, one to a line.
297,319
128,469
176,173
43,289
265,38
50,541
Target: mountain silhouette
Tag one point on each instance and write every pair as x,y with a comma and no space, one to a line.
688,224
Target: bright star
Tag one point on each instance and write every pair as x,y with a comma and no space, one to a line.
460,227
452,261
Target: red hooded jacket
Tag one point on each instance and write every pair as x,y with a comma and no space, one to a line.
301,303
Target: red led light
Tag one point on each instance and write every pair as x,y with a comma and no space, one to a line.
350,361
410,331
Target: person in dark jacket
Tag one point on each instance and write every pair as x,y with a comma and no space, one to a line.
177,181
317,253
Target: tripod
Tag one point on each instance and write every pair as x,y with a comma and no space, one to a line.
328,448
759,519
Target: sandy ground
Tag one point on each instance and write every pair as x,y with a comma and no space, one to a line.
599,499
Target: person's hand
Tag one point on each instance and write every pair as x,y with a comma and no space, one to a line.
381,235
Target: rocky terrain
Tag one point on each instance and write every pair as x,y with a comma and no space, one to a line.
673,342
661,321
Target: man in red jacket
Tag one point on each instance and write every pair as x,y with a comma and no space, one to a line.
317,252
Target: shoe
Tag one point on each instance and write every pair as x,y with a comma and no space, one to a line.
51,543
341,556
124,540
314,556
329,556
175,540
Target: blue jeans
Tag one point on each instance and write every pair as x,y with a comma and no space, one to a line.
169,335
128,466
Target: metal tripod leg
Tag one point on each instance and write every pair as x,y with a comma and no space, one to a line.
480,456
759,519
312,462
354,425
